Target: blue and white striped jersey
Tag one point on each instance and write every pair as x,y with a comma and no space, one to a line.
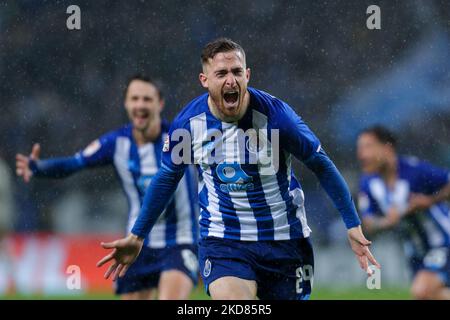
241,199
135,166
421,231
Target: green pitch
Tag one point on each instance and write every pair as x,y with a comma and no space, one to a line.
198,294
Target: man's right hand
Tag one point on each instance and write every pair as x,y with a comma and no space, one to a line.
360,246
23,163
125,251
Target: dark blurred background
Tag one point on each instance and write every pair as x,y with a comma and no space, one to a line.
64,88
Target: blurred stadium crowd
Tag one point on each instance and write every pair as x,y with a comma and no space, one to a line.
64,88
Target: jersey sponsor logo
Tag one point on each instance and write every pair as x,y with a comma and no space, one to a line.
233,177
92,148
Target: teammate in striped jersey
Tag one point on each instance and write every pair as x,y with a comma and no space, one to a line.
409,195
168,260
254,233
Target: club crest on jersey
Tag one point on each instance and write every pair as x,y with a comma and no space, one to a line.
255,142
207,268
166,144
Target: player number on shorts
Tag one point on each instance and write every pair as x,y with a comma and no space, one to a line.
304,273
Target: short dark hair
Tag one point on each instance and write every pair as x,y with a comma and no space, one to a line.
382,134
217,46
144,78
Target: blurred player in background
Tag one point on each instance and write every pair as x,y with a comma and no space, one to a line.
408,194
254,233
168,260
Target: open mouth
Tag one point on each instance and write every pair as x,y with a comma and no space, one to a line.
231,97
141,115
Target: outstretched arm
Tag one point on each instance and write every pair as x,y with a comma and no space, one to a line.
300,141
336,188
435,182
99,152
29,166
419,201
157,195
56,167
373,224
334,184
